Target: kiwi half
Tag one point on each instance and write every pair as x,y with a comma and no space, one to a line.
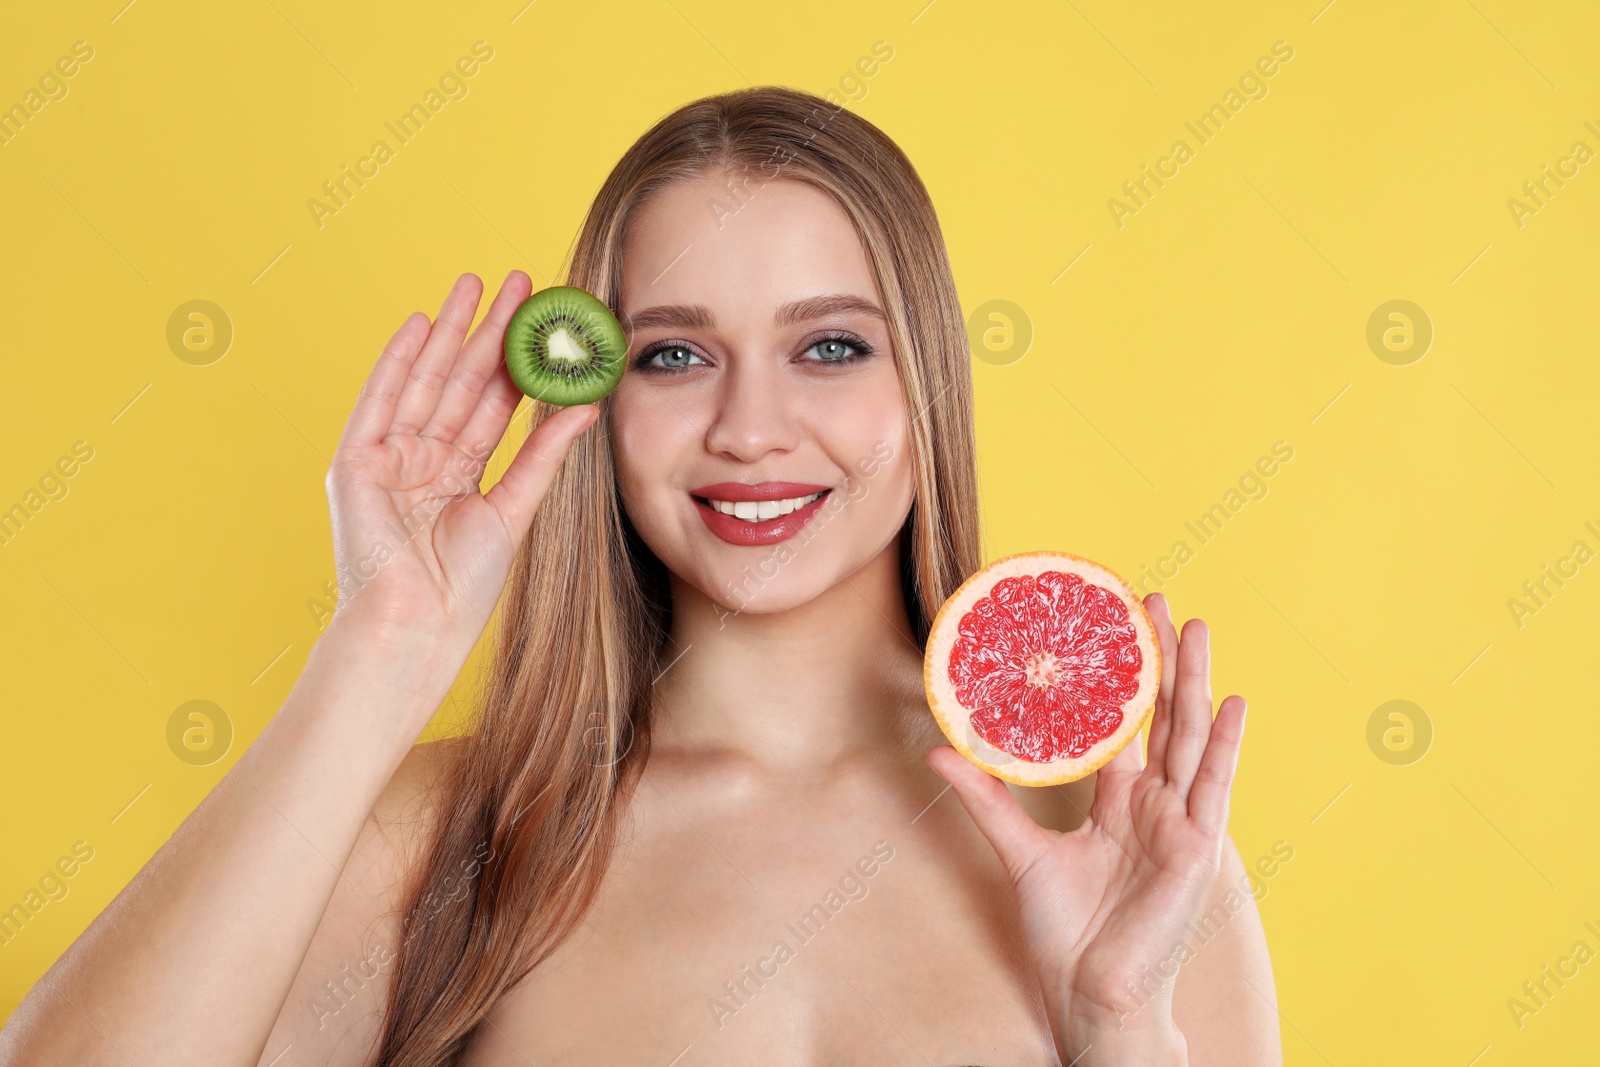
564,346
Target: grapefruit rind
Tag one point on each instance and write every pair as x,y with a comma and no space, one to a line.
955,720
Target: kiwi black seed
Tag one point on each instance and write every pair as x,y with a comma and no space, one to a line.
564,346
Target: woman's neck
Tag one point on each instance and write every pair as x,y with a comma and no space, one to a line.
799,690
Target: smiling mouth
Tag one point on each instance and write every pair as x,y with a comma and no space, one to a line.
757,511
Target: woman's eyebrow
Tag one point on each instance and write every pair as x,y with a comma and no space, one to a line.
821,306
680,316
698,316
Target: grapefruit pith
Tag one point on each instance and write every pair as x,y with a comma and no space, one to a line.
1041,667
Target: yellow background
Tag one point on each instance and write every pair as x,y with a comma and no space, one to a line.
1230,312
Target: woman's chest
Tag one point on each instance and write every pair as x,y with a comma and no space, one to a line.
789,937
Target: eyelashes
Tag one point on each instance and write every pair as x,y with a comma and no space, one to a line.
860,350
653,350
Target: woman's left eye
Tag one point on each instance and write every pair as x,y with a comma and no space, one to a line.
835,350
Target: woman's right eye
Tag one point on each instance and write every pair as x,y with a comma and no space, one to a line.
669,357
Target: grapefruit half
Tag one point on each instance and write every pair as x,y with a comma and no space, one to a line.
1041,667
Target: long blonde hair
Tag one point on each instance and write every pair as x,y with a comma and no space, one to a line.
529,810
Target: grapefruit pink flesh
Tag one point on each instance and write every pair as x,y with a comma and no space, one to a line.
1041,667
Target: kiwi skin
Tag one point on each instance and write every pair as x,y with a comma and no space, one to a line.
590,350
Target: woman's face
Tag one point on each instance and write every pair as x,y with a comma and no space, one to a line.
760,373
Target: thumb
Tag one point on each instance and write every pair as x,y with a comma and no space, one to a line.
528,477
1016,838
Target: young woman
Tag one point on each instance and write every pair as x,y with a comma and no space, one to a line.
697,819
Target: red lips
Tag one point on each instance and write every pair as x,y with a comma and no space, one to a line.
736,531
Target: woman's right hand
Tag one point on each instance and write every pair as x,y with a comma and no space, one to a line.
419,549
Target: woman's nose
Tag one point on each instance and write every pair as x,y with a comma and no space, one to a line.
752,411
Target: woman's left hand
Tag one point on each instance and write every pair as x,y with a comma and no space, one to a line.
1106,907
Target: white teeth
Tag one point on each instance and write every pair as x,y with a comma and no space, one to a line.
761,510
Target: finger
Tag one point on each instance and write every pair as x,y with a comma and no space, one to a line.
480,357
426,381
488,423
1213,782
1191,706
1015,837
1128,763
1113,783
374,409
516,496
1161,721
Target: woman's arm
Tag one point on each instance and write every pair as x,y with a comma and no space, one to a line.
332,1014
193,960
1107,908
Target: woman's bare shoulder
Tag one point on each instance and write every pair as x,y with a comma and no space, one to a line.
334,1006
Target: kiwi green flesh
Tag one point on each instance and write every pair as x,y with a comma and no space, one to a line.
563,346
